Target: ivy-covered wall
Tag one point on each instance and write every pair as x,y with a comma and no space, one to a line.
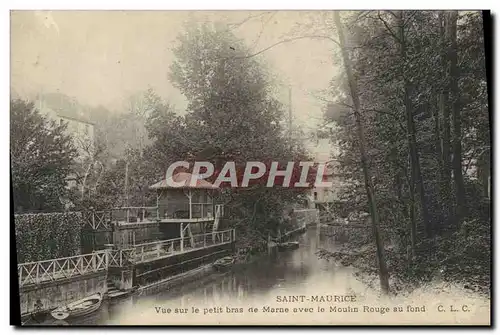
47,235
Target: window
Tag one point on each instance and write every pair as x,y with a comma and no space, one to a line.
315,195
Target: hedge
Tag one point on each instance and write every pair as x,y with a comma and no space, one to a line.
47,235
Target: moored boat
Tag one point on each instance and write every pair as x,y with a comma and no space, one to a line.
78,308
288,246
223,263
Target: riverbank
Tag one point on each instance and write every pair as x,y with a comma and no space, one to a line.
403,278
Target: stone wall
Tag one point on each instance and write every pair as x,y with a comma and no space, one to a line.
55,294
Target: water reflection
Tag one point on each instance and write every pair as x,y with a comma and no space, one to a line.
257,284
274,272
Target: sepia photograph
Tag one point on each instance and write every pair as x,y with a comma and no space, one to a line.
251,168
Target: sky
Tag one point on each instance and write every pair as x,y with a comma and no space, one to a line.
104,57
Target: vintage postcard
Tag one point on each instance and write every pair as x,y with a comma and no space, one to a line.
251,167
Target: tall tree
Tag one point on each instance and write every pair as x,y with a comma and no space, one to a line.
231,116
42,155
383,273
456,118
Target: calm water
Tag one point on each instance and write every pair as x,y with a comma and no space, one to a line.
267,275
225,298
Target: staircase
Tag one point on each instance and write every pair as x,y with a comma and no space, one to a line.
113,291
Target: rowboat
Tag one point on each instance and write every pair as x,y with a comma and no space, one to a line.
288,246
78,308
223,263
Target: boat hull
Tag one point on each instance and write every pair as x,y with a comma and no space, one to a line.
223,263
79,308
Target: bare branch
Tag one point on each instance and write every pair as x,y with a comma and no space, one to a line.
387,27
262,29
248,18
285,41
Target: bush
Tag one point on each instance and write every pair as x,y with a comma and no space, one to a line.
47,235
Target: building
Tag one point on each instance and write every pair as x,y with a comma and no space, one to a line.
181,211
322,198
64,110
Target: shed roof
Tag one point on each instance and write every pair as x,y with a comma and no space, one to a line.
185,179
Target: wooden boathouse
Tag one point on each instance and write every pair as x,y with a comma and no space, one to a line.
182,234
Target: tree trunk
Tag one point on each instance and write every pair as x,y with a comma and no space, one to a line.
456,122
445,112
383,272
483,172
416,173
408,213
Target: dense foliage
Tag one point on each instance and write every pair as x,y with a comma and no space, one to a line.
41,159
47,236
232,116
421,79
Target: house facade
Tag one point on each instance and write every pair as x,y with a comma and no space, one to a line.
64,110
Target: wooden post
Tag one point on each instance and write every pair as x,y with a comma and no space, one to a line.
158,205
182,236
268,243
190,204
204,240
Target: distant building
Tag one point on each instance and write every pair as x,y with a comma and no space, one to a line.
64,110
323,198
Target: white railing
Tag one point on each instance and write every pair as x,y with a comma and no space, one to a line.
61,268
202,210
136,214
68,267
152,250
103,219
120,257
98,219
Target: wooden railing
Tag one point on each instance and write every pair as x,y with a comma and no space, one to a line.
98,219
136,214
61,268
202,210
68,267
102,220
152,250
120,257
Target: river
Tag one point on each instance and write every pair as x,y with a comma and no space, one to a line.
253,294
